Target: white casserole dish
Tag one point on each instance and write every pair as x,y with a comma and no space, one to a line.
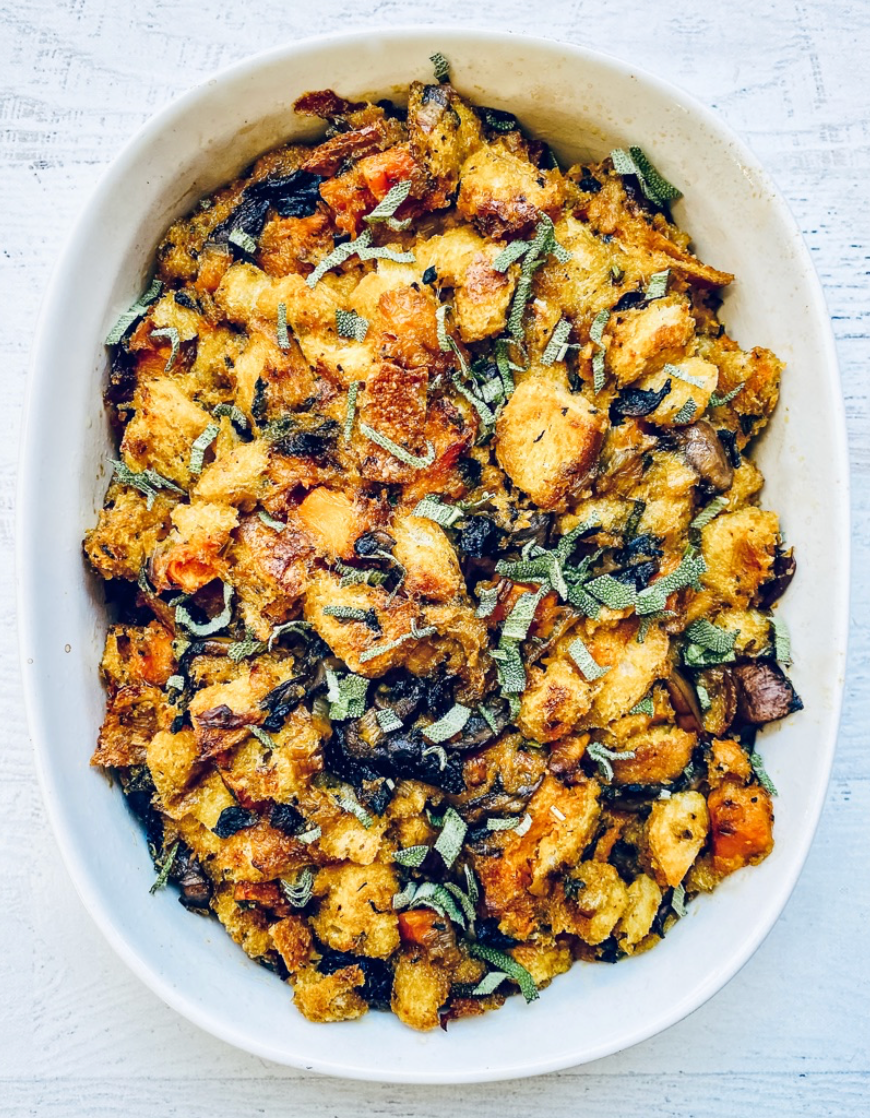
582,103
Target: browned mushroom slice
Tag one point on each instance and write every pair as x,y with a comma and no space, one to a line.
706,455
764,693
685,702
784,568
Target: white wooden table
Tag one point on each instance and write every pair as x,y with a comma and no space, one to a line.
78,1033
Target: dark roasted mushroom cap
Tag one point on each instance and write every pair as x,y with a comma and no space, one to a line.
366,776
378,983
370,544
309,442
489,934
764,692
401,693
480,538
191,879
784,568
286,818
294,195
685,703
477,732
707,456
637,402
409,755
234,819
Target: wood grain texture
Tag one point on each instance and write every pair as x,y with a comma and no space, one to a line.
791,1034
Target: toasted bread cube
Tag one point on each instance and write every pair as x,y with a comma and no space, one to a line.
739,550
172,759
600,903
554,701
356,909
677,829
505,194
548,440
443,130
420,988
127,532
163,430
330,997
643,340
292,937
644,898
423,549
688,398
660,755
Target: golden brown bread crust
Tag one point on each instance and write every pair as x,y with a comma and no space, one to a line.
424,668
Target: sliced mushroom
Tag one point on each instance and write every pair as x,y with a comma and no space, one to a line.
707,456
685,702
764,692
191,879
374,544
784,568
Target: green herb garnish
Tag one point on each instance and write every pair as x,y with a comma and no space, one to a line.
433,507
243,241
602,756
299,893
412,856
388,720
386,208
613,593
415,634
281,332
678,900
449,725
236,415
761,772
263,737
349,324
658,285
653,599
542,245
557,347
653,184
582,657
134,313
352,613
420,462
717,401
243,650
346,695
709,513
488,599
170,332
645,706
449,841
516,626
442,66
781,640
349,414
509,966
148,482
598,375
348,802
165,867
206,628
270,521
200,446
359,576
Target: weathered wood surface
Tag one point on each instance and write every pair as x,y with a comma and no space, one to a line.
791,1034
